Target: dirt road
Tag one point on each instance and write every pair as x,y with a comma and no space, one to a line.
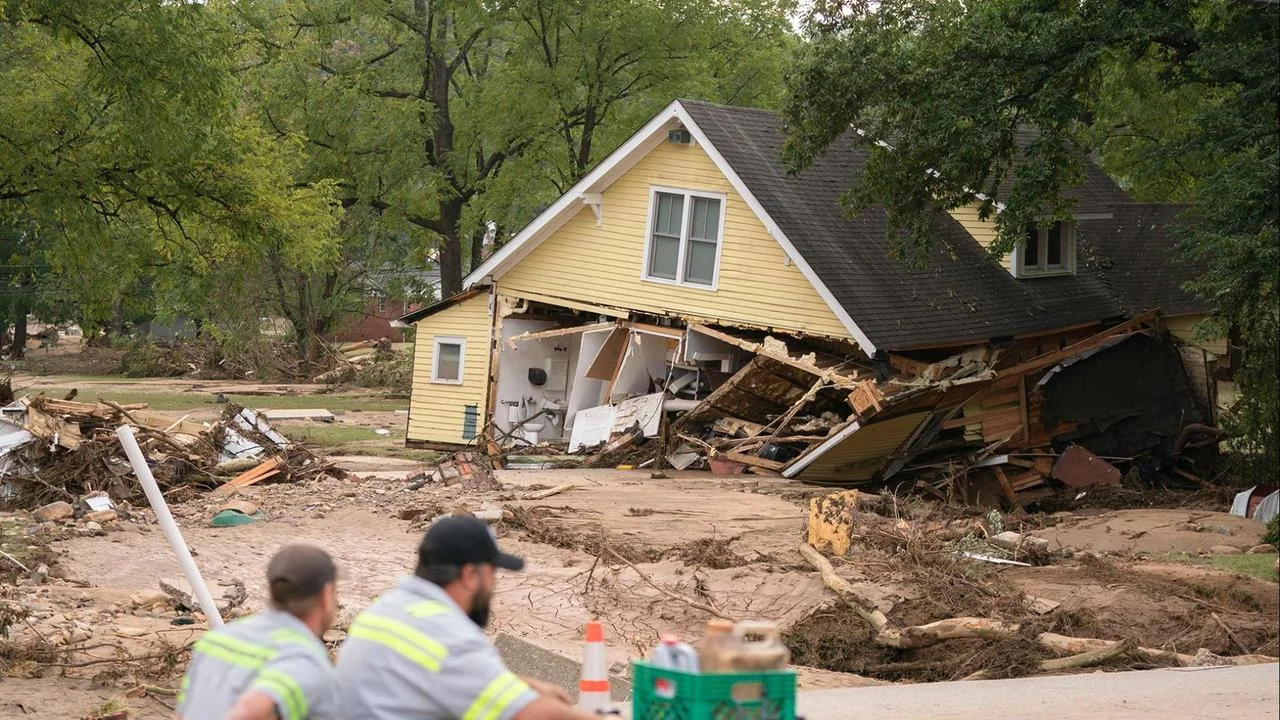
1171,694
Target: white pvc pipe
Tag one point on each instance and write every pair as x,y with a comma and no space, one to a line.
179,546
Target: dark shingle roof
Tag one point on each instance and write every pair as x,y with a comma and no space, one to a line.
961,296
1134,253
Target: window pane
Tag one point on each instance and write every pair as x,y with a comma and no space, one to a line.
1031,258
668,214
664,254
1054,248
448,364
700,265
705,221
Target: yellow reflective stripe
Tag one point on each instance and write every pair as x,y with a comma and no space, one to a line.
286,635
236,653
240,646
496,697
289,690
426,608
505,700
182,689
389,640
399,629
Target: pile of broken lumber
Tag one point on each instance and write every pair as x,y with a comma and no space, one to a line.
53,449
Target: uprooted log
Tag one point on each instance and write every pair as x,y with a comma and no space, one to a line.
1085,651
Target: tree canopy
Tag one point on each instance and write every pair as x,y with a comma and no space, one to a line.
1177,100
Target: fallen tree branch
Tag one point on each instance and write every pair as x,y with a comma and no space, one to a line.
960,628
1230,634
704,607
15,561
1090,658
845,591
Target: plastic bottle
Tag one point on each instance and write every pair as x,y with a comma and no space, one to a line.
671,653
767,653
717,651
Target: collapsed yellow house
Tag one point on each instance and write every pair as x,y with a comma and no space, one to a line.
690,253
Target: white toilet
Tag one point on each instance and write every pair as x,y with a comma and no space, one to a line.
529,431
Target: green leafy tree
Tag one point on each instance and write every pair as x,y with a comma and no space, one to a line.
441,120
126,148
1178,100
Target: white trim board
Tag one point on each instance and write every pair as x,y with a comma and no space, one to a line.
617,164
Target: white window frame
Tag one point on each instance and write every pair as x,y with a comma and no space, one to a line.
684,236
461,342
1044,269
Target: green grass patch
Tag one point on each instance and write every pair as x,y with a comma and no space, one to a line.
339,439
329,435
201,400
390,451
1259,565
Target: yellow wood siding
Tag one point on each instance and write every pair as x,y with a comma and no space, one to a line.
1183,327
757,286
437,410
984,231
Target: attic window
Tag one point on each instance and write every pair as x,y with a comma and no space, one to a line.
1049,250
682,246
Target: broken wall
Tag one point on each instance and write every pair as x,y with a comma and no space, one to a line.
1128,400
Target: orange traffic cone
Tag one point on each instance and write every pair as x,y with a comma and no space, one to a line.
593,689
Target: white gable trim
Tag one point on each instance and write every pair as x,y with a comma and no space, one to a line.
569,204
618,163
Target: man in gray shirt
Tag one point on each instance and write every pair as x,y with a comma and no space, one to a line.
419,652
271,666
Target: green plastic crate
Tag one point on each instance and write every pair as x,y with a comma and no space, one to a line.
666,694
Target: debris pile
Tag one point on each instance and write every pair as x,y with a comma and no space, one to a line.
368,363
1001,424
971,616
61,451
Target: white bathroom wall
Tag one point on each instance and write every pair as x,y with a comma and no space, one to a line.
513,369
585,392
646,360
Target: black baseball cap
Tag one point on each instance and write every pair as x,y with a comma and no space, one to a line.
463,540
298,572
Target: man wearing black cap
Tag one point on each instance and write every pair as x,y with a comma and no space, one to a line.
271,666
419,652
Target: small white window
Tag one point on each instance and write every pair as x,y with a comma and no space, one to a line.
683,243
1049,250
382,304
446,365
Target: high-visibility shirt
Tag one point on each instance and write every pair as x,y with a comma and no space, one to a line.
415,655
272,652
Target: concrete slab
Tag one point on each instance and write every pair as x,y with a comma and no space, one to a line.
526,659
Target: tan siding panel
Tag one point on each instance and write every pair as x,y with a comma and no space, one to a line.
757,286
1183,327
436,410
861,454
984,231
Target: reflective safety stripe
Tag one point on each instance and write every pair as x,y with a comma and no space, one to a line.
401,644
287,688
426,608
233,651
496,697
416,637
286,635
182,689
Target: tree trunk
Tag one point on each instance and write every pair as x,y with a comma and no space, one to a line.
450,248
19,332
